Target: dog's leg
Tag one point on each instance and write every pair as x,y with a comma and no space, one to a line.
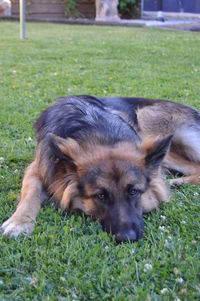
22,221
185,154
190,169
194,179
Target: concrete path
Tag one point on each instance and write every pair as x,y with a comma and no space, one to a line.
180,24
193,25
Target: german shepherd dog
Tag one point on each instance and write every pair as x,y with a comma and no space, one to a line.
105,157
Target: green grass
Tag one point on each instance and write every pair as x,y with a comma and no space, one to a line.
69,257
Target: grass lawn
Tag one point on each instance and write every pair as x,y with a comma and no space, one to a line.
69,257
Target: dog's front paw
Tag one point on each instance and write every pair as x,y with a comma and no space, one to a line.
14,227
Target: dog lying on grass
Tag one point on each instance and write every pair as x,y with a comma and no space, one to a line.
105,157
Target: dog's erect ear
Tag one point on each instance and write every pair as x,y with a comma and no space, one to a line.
64,149
156,153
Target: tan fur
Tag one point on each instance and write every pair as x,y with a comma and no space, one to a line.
194,179
67,146
157,193
191,169
122,151
154,122
89,206
147,144
30,203
68,195
175,162
151,199
162,119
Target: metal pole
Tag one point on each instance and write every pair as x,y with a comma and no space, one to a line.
160,16
142,8
22,19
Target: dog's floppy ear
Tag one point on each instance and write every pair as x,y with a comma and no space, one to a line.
64,149
156,153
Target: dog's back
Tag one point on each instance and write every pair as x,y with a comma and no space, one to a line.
113,119
152,116
80,117
158,118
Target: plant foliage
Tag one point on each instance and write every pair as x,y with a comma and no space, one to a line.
70,7
129,8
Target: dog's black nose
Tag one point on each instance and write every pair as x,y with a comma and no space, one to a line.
124,236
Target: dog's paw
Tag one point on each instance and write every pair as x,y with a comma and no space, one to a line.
14,227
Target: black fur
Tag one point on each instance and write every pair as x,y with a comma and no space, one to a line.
75,116
81,118
101,121
129,105
157,153
72,117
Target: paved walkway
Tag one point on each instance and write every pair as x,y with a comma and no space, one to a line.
188,24
193,25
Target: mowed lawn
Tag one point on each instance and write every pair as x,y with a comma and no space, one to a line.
69,257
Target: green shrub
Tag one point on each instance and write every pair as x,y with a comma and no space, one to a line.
70,8
129,8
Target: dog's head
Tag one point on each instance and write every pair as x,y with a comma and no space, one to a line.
113,184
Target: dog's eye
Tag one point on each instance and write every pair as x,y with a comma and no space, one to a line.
132,191
101,196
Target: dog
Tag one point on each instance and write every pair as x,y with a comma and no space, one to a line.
105,157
